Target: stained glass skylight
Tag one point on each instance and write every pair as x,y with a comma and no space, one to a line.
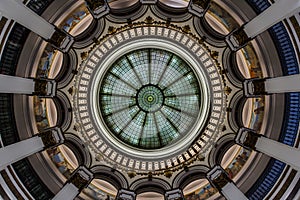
149,98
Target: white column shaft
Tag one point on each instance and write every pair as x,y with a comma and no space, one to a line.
283,84
15,152
17,11
16,85
280,151
275,13
68,192
231,192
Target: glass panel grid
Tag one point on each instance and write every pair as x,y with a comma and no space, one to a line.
124,70
149,98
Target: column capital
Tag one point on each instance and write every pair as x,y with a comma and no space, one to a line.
45,87
198,7
237,39
254,87
81,178
175,194
220,180
52,137
98,8
61,40
124,194
247,138
218,177
201,3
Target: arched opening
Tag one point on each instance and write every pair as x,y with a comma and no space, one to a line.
175,3
114,177
56,62
77,21
150,196
64,115
145,185
219,19
215,24
121,4
82,25
237,106
51,112
254,112
172,8
234,160
198,189
45,112
99,189
248,63
63,159
123,7
246,114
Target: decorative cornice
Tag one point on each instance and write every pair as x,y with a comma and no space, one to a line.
149,21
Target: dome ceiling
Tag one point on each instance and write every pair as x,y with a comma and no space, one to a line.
150,97
168,95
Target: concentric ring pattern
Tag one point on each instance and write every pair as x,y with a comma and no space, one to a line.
149,98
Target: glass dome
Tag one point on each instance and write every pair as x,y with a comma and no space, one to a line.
149,98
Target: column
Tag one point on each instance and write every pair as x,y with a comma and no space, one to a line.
251,140
272,15
283,84
126,194
15,152
275,13
18,85
17,11
98,8
198,7
77,182
174,194
220,180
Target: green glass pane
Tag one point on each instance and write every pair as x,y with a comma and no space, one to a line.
149,98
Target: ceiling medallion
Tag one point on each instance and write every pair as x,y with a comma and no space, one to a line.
132,89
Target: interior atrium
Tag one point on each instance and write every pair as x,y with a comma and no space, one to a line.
149,99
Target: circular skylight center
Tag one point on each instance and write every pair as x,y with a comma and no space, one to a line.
149,98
